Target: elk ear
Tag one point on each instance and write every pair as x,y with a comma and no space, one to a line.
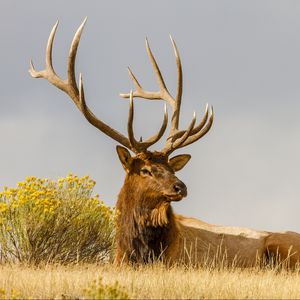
125,157
179,161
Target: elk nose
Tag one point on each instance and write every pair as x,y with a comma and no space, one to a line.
180,188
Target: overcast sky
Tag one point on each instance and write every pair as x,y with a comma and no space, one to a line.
243,57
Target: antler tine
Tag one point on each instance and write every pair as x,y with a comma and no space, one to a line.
202,122
152,140
195,129
176,114
172,146
50,47
134,143
191,135
72,55
139,92
135,81
193,138
162,94
142,146
49,72
49,66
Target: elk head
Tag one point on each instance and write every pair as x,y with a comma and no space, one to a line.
153,170
150,176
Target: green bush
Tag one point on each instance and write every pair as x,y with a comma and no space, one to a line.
46,221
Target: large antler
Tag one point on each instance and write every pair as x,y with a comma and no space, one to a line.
177,138
69,86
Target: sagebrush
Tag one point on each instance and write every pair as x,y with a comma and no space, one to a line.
47,221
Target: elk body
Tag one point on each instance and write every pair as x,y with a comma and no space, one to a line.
147,228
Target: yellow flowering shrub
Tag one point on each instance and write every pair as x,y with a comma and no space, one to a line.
98,290
44,221
10,294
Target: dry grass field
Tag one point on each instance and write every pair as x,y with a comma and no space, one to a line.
149,282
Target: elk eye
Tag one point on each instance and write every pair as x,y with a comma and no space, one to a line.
146,172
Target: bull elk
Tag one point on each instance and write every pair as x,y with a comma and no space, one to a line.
147,227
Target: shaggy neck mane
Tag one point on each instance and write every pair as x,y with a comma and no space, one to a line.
145,224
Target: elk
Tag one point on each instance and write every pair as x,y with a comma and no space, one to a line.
147,227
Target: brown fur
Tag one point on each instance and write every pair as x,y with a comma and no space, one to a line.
147,228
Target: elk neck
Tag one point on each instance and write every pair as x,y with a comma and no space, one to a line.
146,223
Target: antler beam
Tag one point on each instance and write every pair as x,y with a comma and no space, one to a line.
70,87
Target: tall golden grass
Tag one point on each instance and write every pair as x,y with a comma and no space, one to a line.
146,282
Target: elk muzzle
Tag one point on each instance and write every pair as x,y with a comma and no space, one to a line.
179,191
